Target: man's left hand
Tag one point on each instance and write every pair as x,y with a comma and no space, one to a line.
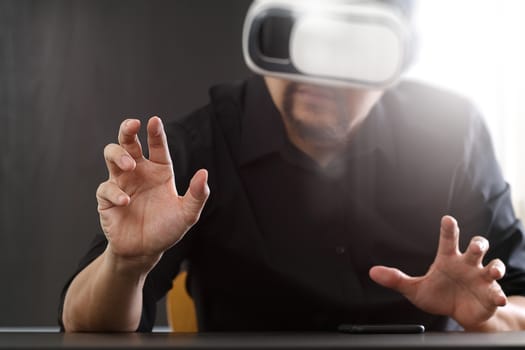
456,285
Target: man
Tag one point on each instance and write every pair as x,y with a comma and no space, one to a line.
313,191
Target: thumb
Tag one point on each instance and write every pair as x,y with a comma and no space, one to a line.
196,196
391,278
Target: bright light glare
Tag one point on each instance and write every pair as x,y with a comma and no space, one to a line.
477,47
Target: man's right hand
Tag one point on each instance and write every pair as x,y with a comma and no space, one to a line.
141,213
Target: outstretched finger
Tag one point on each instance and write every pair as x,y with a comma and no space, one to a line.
476,250
448,236
392,278
157,142
495,270
196,196
128,137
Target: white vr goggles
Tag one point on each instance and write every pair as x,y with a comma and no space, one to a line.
363,43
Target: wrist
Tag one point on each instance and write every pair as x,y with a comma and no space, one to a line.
490,325
132,266
502,320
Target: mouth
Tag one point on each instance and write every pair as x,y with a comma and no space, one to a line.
314,94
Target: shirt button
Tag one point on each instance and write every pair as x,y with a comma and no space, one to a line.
340,250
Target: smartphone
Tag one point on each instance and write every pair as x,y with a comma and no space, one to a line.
381,328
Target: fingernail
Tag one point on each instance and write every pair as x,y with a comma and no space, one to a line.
158,130
499,268
481,244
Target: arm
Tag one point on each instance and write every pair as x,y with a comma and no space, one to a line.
105,296
142,216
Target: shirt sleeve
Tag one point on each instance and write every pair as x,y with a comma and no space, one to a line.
482,204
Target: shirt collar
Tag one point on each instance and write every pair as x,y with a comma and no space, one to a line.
263,130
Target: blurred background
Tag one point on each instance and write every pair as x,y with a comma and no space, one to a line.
477,48
71,70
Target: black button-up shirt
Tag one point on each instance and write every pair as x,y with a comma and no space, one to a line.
284,244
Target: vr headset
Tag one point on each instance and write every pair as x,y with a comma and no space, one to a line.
359,43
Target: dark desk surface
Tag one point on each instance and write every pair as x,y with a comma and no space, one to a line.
428,341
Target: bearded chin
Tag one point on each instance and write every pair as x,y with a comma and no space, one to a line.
315,135
310,132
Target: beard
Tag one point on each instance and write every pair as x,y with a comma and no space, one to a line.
329,120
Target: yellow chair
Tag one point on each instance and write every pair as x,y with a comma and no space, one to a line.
180,308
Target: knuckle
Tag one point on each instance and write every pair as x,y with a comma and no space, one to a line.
191,217
127,135
123,126
101,189
109,150
113,151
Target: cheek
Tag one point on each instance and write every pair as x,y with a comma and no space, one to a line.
359,103
277,90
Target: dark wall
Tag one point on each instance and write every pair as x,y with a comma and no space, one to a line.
70,71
